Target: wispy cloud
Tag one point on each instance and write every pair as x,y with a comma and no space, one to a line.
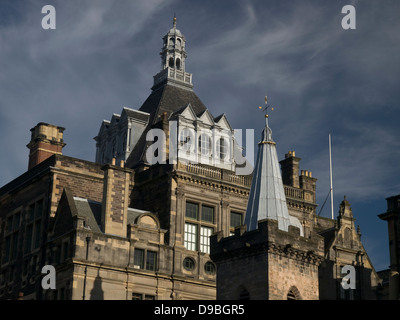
320,78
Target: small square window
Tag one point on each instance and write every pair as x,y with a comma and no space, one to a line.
236,219
207,214
192,210
137,296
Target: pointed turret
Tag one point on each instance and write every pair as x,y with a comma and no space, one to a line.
267,196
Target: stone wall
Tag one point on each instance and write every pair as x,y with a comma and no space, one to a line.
267,263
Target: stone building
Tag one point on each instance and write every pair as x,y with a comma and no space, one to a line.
294,254
392,215
269,257
136,223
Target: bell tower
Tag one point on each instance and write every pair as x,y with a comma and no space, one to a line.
173,58
173,52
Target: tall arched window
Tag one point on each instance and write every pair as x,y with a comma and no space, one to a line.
222,148
171,62
204,144
186,139
178,63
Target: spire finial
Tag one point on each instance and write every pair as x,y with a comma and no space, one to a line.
266,110
174,21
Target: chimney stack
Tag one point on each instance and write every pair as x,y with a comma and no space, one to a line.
290,169
46,140
116,192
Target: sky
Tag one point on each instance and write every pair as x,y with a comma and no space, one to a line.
320,78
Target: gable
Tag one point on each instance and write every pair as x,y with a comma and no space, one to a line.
188,113
115,119
104,127
222,121
207,118
66,210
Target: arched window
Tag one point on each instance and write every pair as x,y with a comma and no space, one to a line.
171,62
347,236
293,294
172,41
186,138
222,148
204,144
178,63
178,42
244,295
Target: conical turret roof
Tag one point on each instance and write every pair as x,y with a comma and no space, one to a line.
267,196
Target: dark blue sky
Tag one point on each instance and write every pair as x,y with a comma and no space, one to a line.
320,78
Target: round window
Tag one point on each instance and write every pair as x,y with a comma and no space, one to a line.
209,268
185,139
188,264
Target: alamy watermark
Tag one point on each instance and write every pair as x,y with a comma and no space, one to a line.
49,20
349,280
49,280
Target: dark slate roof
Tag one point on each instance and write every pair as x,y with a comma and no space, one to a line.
218,118
169,99
133,214
90,210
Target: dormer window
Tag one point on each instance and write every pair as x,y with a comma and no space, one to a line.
186,139
204,144
222,148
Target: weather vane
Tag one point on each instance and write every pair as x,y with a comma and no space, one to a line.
266,107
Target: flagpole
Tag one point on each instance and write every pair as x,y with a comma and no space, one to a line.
330,169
